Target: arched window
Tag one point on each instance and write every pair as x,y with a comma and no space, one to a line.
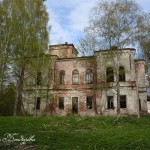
62,77
39,78
89,76
75,77
121,74
110,74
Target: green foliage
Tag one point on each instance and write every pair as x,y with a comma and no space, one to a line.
29,27
7,100
24,34
111,23
74,132
144,35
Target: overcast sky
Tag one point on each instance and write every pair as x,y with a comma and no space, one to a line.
69,17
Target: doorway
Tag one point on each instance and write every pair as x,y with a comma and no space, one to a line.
140,104
74,105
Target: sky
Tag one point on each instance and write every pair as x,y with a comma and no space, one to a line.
69,17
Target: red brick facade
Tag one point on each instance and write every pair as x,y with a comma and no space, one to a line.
79,84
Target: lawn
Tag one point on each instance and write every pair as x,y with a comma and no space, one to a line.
74,133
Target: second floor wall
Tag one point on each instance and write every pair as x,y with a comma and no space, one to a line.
125,65
88,72
99,69
70,73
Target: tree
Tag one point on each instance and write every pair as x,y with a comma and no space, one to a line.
36,84
112,24
5,36
7,101
29,38
144,35
144,40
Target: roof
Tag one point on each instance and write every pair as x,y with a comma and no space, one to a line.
139,60
66,44
61,45
131,49
76,58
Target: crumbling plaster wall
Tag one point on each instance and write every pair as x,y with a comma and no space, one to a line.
134,71
141,82
131,101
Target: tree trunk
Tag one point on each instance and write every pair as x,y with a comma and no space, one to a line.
19,90
16,99
118,98
118,86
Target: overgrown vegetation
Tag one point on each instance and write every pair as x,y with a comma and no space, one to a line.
113,25
74,132
24,34
7,99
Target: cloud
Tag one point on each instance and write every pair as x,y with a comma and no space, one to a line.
57,34
145,5
69,17
79,16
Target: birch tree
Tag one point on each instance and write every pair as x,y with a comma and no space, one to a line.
144,41
29,38
5,40
112,24
144,35
144,38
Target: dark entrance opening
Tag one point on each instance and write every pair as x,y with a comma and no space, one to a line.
140,104
74,105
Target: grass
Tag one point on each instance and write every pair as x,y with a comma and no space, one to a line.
77,133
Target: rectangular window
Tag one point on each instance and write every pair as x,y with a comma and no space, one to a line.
110,102
38,102
61,103
89,102
123,103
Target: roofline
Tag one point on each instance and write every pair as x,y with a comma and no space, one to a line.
61,45
66,44
140,60
131,49
73,58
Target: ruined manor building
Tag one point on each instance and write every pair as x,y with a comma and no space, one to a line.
87,85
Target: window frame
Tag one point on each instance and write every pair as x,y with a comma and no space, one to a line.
110,102
61,105
109,74
75,104
62,77
123,101
89,76
122,77
75,76
89,102
38,103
